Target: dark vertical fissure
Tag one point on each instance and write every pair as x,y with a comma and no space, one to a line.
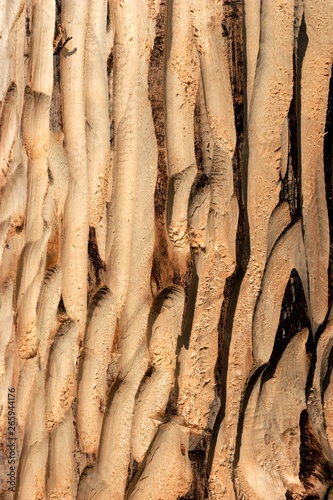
291,184
55,108
328,169
327,377
293,318
164,272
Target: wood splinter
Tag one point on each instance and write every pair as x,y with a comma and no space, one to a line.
57,43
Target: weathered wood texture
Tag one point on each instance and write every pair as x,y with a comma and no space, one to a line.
166,222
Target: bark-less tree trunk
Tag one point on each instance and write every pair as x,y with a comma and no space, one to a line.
166,281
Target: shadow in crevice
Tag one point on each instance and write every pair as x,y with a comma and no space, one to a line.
231,293
313,464
291,183
293,318
328,375
188,316
328,170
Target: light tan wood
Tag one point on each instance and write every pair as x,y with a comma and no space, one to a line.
165,249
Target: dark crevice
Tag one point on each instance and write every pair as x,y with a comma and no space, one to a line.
156,97
233,24
108,17
293,318
197,136
198,447
27,27
96,265
327,377
62,314
109,63
114,389
302,44
171,407
61,306
314,465
170,200
132,470
189,310
191,289
312,355
291,183
311,347
328,170
164,269
55,109
200,182
327,494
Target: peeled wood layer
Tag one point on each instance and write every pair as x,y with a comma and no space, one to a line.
47,312
217,247
31,415
96,358
273,77
12,206
167,459
239,366
33,262
108,479
41,46
207,144
45,331
270,448
206,18
155,390
6,319
181,84
316,72
252,30
131,252
287,254
8,380
75,223
215,262
62,482
8,130
7,360
97,116
12,46
35,137
33,459
278,222
318,409
35,123
58,165
61,376
134,162
328,409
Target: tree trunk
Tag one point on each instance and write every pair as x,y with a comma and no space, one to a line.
166,269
